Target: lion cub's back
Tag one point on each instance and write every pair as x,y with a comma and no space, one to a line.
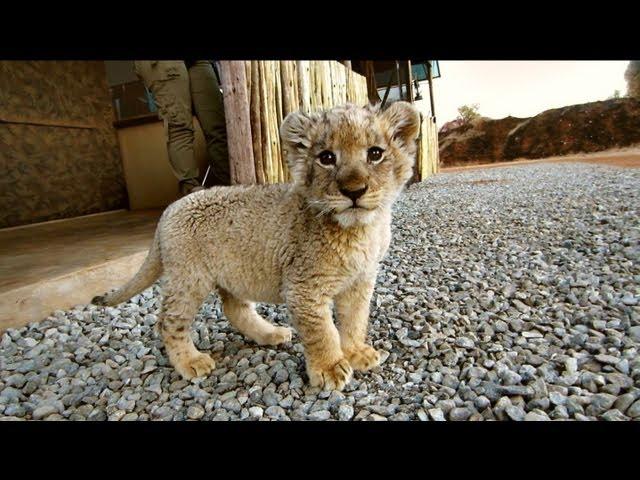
235,205
237,219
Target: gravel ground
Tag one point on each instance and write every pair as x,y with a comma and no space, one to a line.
507,294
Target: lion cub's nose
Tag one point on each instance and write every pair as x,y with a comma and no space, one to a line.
354,194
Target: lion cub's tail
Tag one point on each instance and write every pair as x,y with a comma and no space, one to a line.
149,272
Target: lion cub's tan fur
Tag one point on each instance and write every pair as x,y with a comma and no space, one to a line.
303,243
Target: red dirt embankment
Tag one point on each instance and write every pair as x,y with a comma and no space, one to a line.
585,128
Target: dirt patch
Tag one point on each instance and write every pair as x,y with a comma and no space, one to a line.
614,158
483,182
473,182
630,161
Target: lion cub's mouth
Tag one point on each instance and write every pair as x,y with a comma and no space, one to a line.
355,207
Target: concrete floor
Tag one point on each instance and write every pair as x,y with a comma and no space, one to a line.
56,265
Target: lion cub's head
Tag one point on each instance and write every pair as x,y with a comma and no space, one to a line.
349,161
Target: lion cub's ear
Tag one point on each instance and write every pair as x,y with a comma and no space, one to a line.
404,122
296,139
295,130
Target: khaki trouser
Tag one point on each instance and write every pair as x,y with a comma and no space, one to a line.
176,90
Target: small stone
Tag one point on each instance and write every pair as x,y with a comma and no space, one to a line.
607,359
422,416
573,405
256,412
437,414
532,334
560,412
634,333
15,410
97,415
501,326
276,412
44,411
16,380
600,403
614,416
377,418
557,398
10,394
509,377
287,402
465,342
232,404
623,402
251,378
571,366
634,410
345,412
500,408
481,402
515,413
518,390
319,415
117,415
459,414
527,372
536,417
281,376
582,418
195,412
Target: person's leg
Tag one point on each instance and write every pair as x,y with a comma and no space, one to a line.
209,108
169,82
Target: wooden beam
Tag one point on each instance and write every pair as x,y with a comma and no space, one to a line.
303,85
238,120
430,73
399,80
372,89
409,81
256,132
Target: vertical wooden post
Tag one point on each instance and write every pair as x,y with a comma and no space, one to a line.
399,80
303,85
409,81
429,72
417,170
256,132
372,89
236,107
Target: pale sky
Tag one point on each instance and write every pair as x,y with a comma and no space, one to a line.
521,88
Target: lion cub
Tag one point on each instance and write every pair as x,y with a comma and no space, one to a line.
313,244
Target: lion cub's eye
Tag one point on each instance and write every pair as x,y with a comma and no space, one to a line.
374,155
327,158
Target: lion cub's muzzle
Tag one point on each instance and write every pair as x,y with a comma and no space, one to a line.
354,194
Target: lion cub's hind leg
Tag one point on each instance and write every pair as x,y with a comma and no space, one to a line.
182,299
243,316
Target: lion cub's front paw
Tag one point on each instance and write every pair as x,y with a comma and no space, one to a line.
277,336
332,378
362,357
194,365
